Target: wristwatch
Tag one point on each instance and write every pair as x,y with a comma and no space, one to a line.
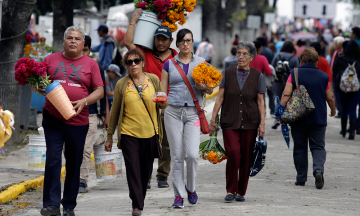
85,101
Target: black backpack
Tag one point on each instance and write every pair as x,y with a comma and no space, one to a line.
282,69
117,61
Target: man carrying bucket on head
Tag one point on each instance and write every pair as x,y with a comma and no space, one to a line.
77,74
154,61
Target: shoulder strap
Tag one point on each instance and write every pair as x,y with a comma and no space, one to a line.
296,73
144,104
181,71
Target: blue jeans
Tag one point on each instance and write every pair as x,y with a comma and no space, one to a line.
349,102
337,99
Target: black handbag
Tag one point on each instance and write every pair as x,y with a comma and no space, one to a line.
158,144
258,157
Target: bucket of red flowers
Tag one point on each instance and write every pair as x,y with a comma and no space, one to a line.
28,71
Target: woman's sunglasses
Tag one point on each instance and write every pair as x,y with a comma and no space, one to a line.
130,62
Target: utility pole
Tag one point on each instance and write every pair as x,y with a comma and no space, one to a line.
101,6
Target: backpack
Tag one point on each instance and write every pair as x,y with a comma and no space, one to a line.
282,70
206,53
349,81
117,58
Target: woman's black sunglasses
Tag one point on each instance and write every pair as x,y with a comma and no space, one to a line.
130,62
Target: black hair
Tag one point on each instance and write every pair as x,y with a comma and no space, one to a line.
288,47
316,46
352,49
300,43
356,31
257,45
181,34
87,41
207,39
233,51
236,36
262,40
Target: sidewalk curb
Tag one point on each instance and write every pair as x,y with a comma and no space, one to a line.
17,189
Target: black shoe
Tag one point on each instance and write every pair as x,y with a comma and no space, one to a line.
343,126
275,125
352,129
319,179
230,197
240,198
358,132
162,183
83,188
68,212
50,211
149,185
299,183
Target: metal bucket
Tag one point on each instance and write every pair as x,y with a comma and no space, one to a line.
145,29
108,165
37,152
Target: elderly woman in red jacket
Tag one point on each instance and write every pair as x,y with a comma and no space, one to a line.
241,99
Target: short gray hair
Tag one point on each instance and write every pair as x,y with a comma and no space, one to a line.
339,40
249,46
75,28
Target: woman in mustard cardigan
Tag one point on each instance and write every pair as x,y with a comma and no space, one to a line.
136,135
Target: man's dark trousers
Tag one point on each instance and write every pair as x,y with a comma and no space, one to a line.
164,163
56,134
315,136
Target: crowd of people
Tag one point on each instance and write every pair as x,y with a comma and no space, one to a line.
253,70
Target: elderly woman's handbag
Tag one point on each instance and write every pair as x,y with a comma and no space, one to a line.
300,103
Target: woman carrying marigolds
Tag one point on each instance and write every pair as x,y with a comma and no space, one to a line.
181,118
242,118
136,132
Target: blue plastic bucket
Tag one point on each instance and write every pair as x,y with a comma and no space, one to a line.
52,86
145,29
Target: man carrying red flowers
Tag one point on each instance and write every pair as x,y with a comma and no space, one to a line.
154,61
77,74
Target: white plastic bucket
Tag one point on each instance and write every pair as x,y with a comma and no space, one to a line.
145,29
37,152
108,165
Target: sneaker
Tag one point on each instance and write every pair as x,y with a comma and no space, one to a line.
178,202
162,183
148,185
319,179
240,198
230,197
68,212
276,124
50,210
83,188
192,197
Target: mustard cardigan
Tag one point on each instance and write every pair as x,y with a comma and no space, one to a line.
117,108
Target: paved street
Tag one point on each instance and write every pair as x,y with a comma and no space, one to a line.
271,192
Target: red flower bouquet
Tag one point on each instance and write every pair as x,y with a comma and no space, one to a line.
159,7
32,72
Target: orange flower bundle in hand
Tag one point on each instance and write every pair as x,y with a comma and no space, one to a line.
207,74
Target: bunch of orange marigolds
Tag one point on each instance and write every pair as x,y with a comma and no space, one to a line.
207,74
177,12
29,49
211,150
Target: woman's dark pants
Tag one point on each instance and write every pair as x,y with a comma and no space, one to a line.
56,134
139,158
239,145
349,102
315,136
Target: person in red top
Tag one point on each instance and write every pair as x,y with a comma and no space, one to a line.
154,61
260,62
78,74
322,64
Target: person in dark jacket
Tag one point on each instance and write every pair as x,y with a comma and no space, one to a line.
348,100
265,50
310,130
241,99
287,53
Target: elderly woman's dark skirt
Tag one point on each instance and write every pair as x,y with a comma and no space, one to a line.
239,145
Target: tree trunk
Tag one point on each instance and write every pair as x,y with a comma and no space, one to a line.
15,22
63,18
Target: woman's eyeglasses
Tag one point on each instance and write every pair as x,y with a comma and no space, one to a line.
188,41
130,62
243,54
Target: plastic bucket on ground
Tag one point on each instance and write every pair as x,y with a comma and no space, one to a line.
108,165
37,152
58,97
145,29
